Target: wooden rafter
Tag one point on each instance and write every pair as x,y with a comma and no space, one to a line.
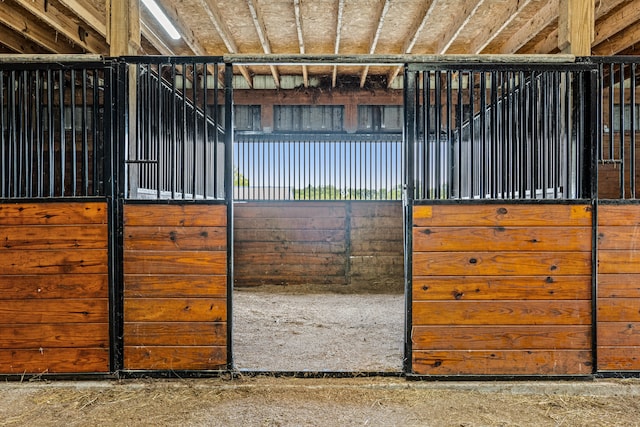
620,41
154,39
465,13
171,10
258,22
17,43
616,21
375,38
336,47
15,18
296,10
544,17
411,41
547,44
213,13
87,13
489,33
57,20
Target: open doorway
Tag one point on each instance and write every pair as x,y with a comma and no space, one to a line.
318,231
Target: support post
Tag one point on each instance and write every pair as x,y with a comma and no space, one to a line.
576,23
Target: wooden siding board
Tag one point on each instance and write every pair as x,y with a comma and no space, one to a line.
618,358
54,360
176,334
176,215
53,237
39,311
503,362
494,337
59,286
502,215
619,285
175,309
176,238
622,238
621,334
618,309
58,335
618,215
175,357
176,262
173,286
501,287
59,261
55,213
501,263
618,262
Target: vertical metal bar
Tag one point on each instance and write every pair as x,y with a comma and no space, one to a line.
472,171
3,126
449,141
183,144
74,160
459,120
216,121
522,135
85,144
632,131
228,186
483,136
621,106
556,134
95,102
611,107
494,136
11,155
51,128
426,139
63,142
568,131
39,132
194,117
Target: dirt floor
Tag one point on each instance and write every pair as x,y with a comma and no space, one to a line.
317,329
269,401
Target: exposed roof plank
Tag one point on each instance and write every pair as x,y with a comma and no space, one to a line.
617,21
296,11
86,12
57,20
336,48
375,38
547,44
15,18
171,10
154,39
619,42
489,33
411,41
464,14
258,22
17,43
545,16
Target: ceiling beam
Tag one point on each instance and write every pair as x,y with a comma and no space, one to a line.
125,30
171,10
258,22
87,13
15,18
17,43
489,33
336,47
213,13
459,20
620,41
154,39
375,38
547,44
410,43
296,10
60,22
616,22
527,31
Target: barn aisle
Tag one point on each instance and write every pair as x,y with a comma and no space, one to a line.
298,331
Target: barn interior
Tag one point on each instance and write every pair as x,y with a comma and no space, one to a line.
313,98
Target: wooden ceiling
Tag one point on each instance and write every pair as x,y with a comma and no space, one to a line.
217,27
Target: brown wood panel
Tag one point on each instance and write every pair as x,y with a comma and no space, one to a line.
252,235
391,209
54,360
176,238
501,287
290,210
501,337
538,312
377,265
175,310
618,358
289,271
176,334
503,362
452,239
176,215
54,335
178,262
59,286
619,262
60,213
377,247
53,237
26,262
174,358
308,260
619,238
376,233
619,334
619,285
288,223
619,310
504,263
54,311
392,223
160,286
248,279
502,215
619,215
247,247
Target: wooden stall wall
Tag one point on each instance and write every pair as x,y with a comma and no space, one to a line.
618,287
355,244
502,289
54,299
175,287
